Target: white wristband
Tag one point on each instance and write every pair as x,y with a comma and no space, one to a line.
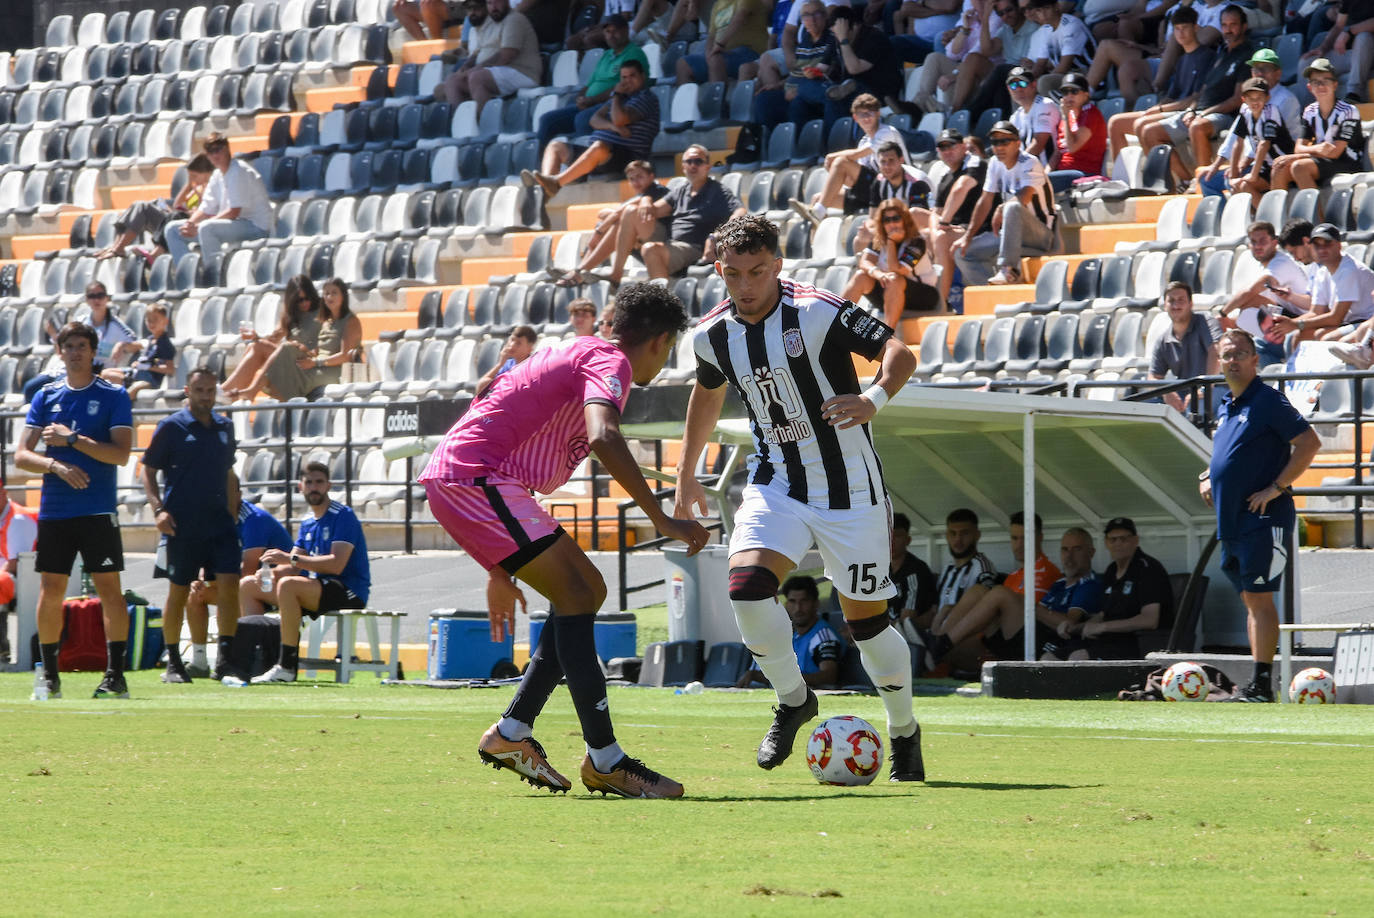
877,395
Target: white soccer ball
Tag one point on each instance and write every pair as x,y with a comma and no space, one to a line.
1185,682
845,751
1313,685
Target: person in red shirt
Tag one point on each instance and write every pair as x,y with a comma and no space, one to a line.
1081,145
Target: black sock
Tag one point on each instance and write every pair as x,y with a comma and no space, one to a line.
114,657
541,677
942,646
174,656
49,654
226,651
290,656
1264,674
586,683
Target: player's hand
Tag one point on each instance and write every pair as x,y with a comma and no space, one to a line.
165,524
845,411
691,499
1204,489
73,475
1258,501
275,556
688,531
1284,325
502,595
56,434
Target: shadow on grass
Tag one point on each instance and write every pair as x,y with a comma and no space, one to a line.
998,786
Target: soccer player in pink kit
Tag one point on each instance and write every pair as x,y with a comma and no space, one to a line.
529,431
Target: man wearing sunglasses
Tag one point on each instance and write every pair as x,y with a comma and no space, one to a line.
1036,117
1023,223
1342,292
1081,139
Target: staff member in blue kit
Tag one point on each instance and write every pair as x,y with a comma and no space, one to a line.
87,428
1261,446
194,450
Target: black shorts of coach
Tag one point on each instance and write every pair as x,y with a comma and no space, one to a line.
182,560
333,597
96,537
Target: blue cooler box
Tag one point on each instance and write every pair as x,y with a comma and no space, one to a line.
615,633
460,645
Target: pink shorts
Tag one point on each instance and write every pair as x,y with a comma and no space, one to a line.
498,523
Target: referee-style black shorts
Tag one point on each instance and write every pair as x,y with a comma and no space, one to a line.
335,596
184,560
96,537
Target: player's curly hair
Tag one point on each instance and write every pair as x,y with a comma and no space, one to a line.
645,311
747,234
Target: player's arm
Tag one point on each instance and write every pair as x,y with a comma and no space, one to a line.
332,563
703,410
603,433
1305,446
30,460
115,452
898,363
161,515
827,674
251,560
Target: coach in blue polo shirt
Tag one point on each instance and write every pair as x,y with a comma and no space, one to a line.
194,450
1260,448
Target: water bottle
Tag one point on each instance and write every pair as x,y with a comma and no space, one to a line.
40,683
691,688
265,577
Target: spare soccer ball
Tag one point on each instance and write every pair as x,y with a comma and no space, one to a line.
1312,686
845,751
1185,682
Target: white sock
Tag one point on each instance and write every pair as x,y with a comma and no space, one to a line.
767,632
819,210
514,730
198,657
888,663
604,759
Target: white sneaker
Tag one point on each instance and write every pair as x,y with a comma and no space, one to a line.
1359,356
277,673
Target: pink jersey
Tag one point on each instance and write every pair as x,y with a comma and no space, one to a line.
529,426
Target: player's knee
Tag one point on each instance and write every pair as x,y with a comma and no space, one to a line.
865,629
752,584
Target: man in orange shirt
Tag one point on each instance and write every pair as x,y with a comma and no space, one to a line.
984,605
18,531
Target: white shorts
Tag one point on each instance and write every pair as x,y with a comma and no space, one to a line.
855,545
508,80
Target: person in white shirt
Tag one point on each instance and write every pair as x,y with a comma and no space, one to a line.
1024,222
1342,292
850,173
963,60
1062,44
1263,280
1036,117
234,208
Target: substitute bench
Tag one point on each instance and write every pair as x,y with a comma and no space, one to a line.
345,622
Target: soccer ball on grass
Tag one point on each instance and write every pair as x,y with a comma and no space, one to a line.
1185,682
1313,685
846,751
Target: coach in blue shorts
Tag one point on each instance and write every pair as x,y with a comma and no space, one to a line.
86,426
1260,448
194,450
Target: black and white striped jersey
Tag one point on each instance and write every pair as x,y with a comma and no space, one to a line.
785,367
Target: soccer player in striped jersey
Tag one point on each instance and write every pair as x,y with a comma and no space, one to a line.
814,476
528,432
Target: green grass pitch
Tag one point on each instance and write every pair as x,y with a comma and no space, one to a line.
367,799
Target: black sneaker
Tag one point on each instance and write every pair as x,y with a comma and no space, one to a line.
777,742
54,684
176,673
1255,692
222,669
112,686
198,670
907,764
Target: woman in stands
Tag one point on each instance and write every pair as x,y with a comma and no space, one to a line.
151,216
316,337
895,273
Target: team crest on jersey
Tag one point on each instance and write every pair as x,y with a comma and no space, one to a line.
224,437
92,408
792,342
613,383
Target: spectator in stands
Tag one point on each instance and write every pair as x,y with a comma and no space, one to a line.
328,568
1190,129
895,273
582,316
1357,347
817,647
1349,46
1136,597
1257,138
694,209
509,63
1188,349
956,196
1176,95
157,356
968,567
233,208
979,607
1332,138
1024,222
478,35
914,606
1016,36
918,24
576,119
1263,279
850,173
801,95
1035,116
1208,33
738,34
966,57
427,19
1081,135
594,35
1100,16
896,179
600,243
606,324
1142,23
623,130
1063,44
517,349
1264,63
114,339
18,533
1342,292
868,64
152,216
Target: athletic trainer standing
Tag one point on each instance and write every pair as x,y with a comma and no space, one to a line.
86,425
1261,446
